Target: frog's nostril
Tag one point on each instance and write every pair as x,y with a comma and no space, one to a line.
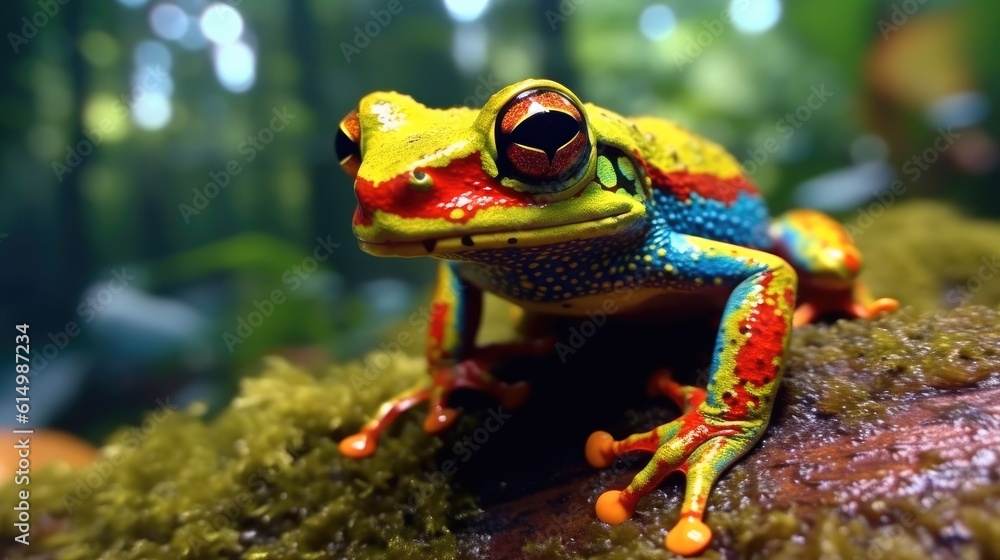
420,181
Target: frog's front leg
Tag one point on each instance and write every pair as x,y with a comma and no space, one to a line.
453,361
743,379
828,264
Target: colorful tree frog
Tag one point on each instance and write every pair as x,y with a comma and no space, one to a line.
553,204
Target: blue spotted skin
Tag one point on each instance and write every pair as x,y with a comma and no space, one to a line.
654,254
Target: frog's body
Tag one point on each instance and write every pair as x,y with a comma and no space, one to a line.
569,277
555,205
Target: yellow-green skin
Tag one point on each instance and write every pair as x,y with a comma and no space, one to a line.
654,209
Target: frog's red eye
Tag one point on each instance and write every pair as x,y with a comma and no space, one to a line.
541,136
348,144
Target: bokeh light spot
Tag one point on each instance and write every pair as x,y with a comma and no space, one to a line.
963,109
466,10
755,16
151,111
149,79
235,66
105,113
168,21
657,22
221,23
469,47
153,54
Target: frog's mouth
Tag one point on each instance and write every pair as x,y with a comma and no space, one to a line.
528,237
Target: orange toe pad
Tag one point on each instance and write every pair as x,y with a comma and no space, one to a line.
689,537
598,450
610,508
438,421
883,305
358,446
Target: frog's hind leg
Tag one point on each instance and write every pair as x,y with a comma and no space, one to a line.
828,264
601,448
454,363
687,397
470,374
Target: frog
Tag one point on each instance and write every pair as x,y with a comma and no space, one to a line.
553,204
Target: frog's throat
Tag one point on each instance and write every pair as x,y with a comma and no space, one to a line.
546,235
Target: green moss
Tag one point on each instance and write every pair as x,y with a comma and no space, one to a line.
853,368
928,255
263,480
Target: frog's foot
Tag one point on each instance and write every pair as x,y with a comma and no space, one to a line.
695,444
687,397
363,443
469,374
854,303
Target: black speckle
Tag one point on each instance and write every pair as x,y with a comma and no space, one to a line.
429,244
467,241
567,305
512,240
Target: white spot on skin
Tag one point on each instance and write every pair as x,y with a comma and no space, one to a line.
438,157
387,115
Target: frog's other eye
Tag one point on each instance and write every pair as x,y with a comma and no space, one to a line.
348,144
541,137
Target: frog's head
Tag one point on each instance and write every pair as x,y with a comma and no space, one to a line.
525,170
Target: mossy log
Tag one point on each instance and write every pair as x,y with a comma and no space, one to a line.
884,444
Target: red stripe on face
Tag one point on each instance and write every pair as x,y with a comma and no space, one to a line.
462,184
682,184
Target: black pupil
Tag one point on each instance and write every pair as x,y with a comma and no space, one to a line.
547,131
344,146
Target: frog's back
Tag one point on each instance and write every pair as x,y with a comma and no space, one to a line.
699,188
